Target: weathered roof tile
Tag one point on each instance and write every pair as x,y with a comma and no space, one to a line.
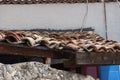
77,41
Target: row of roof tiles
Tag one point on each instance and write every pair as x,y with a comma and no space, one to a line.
76,41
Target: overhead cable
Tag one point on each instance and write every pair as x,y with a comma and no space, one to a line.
85,17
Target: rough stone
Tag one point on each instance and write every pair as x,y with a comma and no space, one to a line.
36,71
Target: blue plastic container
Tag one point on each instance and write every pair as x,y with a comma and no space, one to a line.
110,72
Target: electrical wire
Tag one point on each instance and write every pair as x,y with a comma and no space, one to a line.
105,19
85,17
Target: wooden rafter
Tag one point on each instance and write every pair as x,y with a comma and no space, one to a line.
72,58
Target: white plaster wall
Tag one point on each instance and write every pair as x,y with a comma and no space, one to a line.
113,18
61,16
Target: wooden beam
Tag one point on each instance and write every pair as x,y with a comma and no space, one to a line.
73,58
48,60
28,51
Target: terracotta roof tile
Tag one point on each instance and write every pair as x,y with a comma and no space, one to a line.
76,41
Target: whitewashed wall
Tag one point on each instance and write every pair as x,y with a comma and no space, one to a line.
61,16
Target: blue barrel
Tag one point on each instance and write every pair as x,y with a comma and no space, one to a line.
110,72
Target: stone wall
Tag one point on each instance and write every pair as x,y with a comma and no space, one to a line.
36,71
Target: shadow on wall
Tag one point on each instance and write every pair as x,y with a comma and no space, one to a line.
60,30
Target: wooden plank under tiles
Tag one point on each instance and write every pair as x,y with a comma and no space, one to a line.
92,58
74,58
97,58
28,51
